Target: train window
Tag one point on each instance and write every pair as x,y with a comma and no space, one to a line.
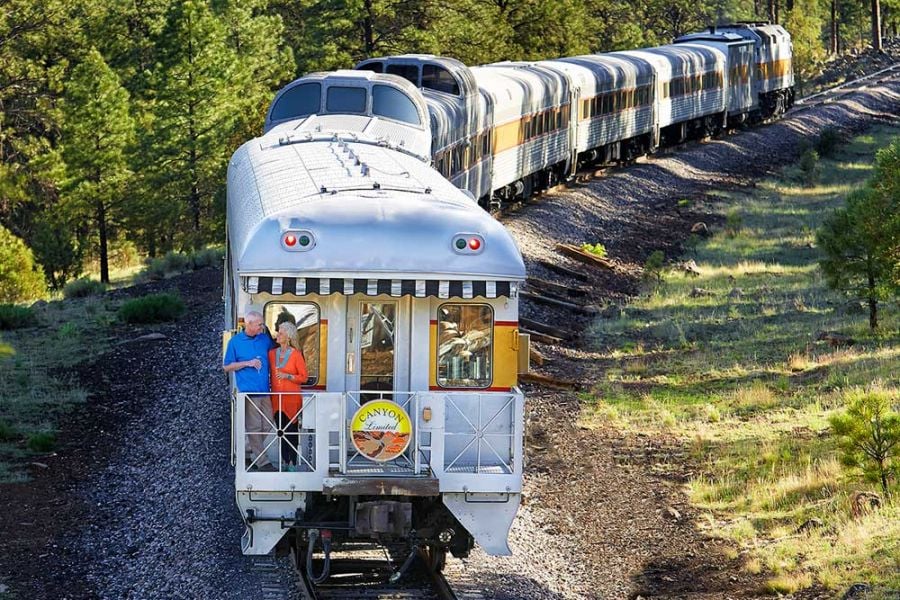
342,99
439,79
586,109
465,345
305,317
377,67
407,72
392,103
299,101
377,324
486,150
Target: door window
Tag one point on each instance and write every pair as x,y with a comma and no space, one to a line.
377,321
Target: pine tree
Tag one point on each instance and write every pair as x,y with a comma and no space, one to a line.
805,24
194,115
857,242
264,62
98,135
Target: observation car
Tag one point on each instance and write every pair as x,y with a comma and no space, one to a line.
405,295
506,130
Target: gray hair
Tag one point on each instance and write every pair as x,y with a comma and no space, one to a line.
253,315
289,328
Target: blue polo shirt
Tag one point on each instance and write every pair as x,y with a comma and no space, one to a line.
243,347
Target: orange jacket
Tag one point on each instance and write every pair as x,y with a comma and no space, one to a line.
295,365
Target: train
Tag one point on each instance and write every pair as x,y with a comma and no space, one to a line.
359,216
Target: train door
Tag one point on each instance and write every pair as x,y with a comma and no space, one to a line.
377,345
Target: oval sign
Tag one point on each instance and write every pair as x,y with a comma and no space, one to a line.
381,430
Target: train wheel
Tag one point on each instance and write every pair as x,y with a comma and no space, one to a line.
435,558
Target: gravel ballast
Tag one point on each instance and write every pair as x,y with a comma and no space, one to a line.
147,487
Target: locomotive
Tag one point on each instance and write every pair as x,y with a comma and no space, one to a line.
359,216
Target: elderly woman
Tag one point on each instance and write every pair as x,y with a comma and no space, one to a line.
287,370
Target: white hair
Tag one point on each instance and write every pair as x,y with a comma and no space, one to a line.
253,315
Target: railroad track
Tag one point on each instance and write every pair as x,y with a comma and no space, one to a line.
835,92
362,572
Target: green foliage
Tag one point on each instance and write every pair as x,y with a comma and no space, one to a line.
859,243
207,257
828,142
84,287
198,89
56,248
156,308
869,433
653,269
98,135
734,222
8,433
176,262
44,441
597,249
809,167
16,317
805,23
20,278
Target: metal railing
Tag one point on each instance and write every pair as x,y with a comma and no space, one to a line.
466,433
275,438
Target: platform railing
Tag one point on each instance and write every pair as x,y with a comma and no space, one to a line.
275,438
464,437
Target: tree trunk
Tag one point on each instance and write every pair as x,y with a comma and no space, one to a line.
873,303
876,26
884,483
104,242
771,10
368,28
834,28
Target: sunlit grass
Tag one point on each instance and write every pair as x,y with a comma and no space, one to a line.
729,361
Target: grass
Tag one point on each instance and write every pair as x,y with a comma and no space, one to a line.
737,374
38,386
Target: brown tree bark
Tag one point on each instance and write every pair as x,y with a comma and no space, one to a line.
876,26
833,47
368,28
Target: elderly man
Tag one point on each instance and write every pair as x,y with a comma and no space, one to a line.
247,356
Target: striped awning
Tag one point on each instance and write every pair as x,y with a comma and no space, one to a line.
420,288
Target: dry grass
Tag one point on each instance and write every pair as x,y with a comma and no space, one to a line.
743,380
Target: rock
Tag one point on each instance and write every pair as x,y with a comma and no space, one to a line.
700,228
673,512
857,590
810,524
864,502
701,293
39,305
835,339
690,268
611,311
149,337
39,465
735,293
